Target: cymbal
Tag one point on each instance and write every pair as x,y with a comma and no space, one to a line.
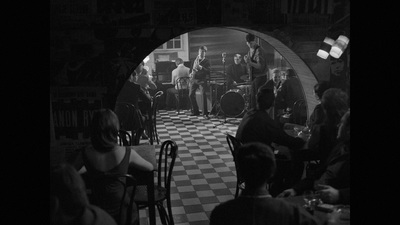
245,77
245,83
216,83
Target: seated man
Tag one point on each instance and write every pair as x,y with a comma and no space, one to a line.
180,71
258,126
256,163
134,94
69,203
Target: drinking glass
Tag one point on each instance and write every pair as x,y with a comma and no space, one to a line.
296,130
316,200
308,196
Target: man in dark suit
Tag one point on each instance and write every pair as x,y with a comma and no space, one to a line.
256,163
258,126
199,75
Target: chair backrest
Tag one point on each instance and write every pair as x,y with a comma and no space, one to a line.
125,138
233,144
154,107
126,181
182,83
166,162
299,112
130,119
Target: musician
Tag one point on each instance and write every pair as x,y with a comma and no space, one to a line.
235,71
256,66
198,76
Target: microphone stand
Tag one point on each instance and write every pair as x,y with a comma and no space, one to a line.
226,89
223,62
215,88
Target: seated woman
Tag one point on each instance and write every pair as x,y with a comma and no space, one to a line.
105,156
334,103
318,115
323,136
332,180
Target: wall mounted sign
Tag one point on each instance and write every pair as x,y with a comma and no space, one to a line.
72,111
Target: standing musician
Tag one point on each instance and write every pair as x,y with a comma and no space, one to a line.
256,67
198,76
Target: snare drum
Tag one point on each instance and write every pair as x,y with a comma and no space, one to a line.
233,102
244,88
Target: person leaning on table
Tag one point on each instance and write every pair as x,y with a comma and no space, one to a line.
256,163
333,182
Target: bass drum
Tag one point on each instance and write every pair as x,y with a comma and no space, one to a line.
233,102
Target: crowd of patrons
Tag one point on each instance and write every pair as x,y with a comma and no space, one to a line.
258,203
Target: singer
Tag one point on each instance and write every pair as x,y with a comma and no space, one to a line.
198,76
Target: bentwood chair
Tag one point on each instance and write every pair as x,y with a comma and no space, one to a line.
234,144
152,121
130,119
162,190
183,92
124,138
99,197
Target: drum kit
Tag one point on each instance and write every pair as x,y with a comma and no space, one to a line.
235,101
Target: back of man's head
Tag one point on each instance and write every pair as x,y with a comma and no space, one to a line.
178,61
265,97
204,48
290,73
256,163
68,189
250,37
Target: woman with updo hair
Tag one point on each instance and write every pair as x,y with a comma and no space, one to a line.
104,156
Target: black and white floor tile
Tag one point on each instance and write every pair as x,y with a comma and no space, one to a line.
204,174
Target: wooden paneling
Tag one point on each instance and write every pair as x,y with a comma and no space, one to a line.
217,40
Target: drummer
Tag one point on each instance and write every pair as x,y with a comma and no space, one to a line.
234,72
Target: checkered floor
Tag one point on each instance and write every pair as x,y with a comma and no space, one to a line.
204,174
